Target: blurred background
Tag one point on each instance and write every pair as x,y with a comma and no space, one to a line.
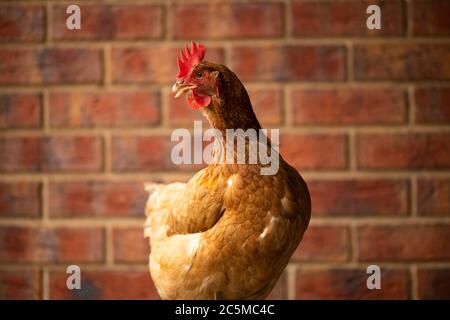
86,117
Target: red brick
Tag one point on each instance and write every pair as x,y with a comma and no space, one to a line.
50,66
22,23
430,17
96,199
358,197
20,111
105,285
134,153
180,114
314,151
104,109
403,151
324,243
267,104
20,284
227,20
404,243
20,199
402,61
55,245
350,284
346,18
434,283
110,22
433,197
348,106
279,292
432,105
130,245
289,63
153,64
148,153
56,153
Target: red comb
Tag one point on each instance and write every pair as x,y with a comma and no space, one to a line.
187,59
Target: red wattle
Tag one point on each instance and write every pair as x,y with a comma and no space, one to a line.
197,101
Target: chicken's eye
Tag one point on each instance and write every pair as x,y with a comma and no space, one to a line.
199,74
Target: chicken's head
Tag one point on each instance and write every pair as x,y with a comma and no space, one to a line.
198,80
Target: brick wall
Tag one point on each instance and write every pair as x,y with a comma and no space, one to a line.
85,118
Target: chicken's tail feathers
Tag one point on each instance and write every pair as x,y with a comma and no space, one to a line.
151,187
162,196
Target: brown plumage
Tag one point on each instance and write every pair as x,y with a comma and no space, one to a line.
229,232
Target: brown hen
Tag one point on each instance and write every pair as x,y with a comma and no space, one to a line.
230,231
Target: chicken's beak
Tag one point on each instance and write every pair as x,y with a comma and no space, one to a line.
180,88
